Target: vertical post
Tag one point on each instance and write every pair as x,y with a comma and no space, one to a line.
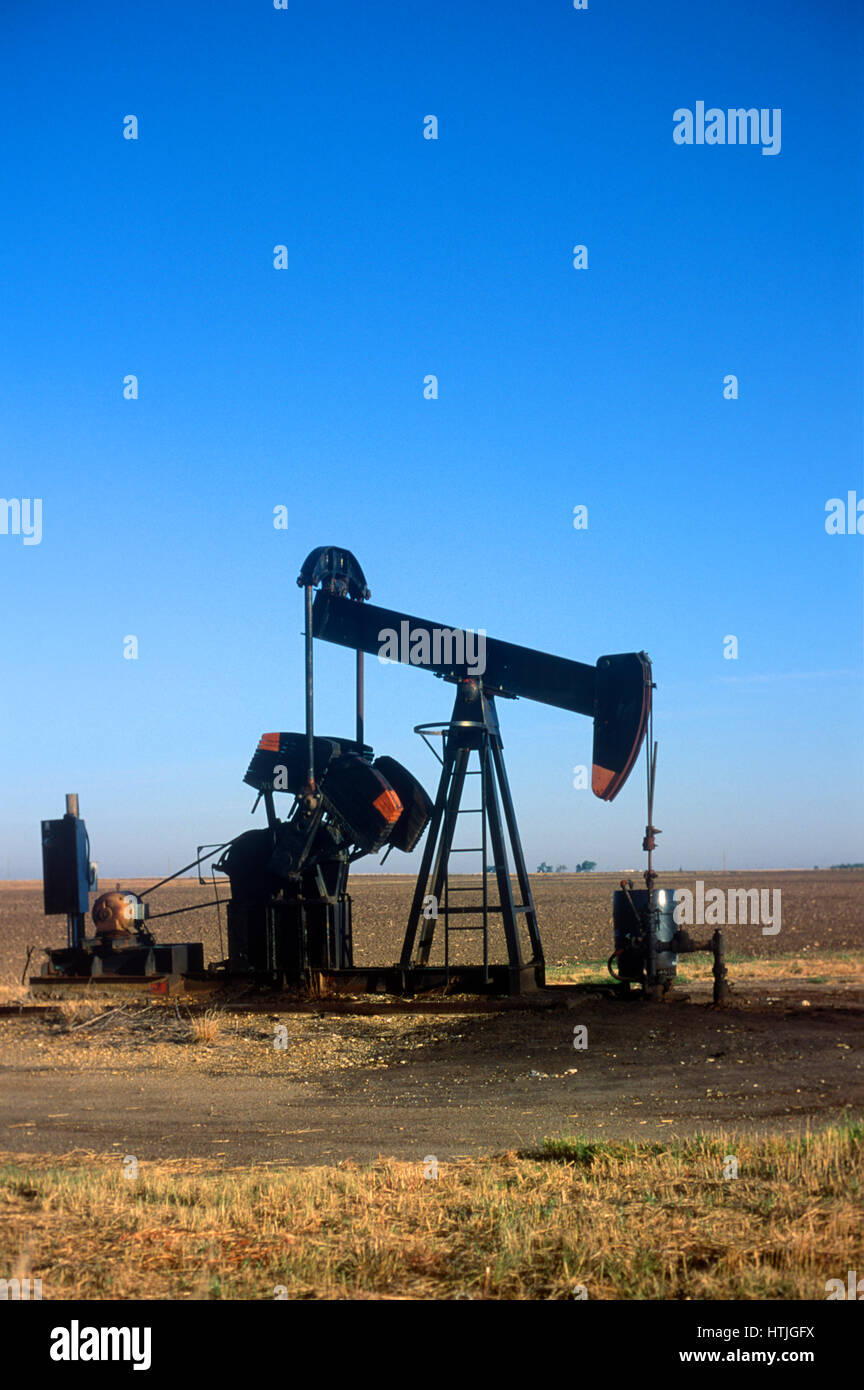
497,749
484,848
505,888
310,708
650,843
721,982
651,989
360,708
74,920
651,919
405,960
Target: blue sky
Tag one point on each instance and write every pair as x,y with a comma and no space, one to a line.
557,387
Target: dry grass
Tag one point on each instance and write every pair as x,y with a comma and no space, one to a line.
207,1027
13,994
72,1011
826,967
626,1221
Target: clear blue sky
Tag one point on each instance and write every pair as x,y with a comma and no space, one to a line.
558,387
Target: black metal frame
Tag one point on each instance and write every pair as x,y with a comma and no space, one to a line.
473,728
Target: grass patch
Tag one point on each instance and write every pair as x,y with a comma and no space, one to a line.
627,1220
827,967
207,1028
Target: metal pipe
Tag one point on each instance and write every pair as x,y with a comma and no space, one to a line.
652,916
310,714
75,921
360,703
721,980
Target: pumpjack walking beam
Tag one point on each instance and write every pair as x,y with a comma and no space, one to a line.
616,693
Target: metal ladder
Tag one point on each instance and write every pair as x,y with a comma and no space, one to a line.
483,885
473,728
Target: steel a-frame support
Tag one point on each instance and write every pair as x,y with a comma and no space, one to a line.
474,727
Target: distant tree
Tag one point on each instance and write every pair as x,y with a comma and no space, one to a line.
544,868
560,868
586,866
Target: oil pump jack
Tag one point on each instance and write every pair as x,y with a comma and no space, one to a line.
289,914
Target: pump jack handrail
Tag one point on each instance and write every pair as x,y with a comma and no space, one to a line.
442,727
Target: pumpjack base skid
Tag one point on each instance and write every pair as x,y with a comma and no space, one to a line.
492,980
458,979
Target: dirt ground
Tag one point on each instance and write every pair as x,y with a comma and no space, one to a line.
787,1052
820,911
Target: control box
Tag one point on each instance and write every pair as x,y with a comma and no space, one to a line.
67,875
